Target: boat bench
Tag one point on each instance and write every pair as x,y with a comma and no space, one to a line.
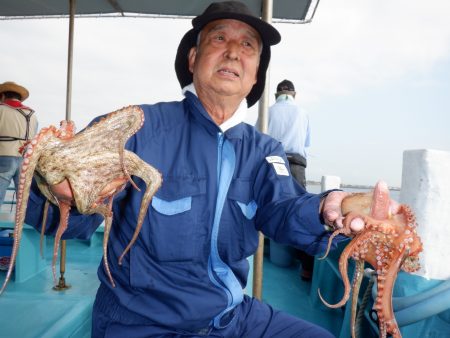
29,261
422,307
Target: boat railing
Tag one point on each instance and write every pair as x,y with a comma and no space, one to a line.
12,199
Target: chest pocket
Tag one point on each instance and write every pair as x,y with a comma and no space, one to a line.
238,238
176,213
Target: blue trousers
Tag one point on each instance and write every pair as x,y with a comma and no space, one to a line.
253,319
9,170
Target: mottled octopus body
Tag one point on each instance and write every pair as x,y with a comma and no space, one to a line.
95,166
388,243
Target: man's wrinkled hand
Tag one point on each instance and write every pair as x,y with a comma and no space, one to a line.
63,192
332,212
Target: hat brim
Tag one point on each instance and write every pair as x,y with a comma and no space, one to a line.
15,88
268,33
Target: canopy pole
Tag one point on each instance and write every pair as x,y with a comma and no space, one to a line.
70,59
267,11
62,285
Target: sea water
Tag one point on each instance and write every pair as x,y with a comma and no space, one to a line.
315,188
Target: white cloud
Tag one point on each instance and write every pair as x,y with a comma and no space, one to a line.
363,43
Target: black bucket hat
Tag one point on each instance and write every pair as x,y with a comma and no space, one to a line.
228,10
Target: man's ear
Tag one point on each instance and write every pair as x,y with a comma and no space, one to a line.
191,58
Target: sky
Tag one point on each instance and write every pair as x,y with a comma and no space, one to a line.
374,77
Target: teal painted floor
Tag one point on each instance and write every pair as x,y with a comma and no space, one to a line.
284,290
32,309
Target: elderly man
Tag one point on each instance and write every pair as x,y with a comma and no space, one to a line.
222,183
17,125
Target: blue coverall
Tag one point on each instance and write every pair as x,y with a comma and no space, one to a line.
185,274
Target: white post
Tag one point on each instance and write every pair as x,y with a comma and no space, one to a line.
426,189
330,182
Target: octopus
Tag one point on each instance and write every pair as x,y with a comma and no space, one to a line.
388,243
94,165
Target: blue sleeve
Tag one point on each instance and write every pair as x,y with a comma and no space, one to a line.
287,213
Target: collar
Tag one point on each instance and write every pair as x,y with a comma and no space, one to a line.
14,104
285,97
234,120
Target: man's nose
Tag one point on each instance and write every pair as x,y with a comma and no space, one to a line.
233,50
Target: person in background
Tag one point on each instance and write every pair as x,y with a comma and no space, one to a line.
18,124
289,124
223,182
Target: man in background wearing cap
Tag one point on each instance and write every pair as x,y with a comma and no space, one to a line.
290,125
222,183
17,125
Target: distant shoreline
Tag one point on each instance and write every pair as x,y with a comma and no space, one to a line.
352,186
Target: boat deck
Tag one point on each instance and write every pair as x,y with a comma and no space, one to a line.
284,290
31,308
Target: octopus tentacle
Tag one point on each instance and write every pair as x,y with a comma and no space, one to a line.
343,268
357,280
124,168
31,154
107,230
369,273
63,224
388,243
44,222
134,127
108,223
343,231
153,180
383,303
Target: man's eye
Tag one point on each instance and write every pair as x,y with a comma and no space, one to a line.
219,37
249,45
